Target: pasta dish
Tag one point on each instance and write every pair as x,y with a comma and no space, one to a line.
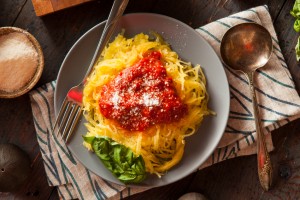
142,96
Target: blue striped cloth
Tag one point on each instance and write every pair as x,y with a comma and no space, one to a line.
278,99
63,170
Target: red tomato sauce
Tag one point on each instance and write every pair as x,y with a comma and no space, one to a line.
142,95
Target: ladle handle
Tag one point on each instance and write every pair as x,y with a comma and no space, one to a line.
265,171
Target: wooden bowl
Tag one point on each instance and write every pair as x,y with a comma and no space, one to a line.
38,70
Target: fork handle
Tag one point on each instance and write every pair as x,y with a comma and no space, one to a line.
116,12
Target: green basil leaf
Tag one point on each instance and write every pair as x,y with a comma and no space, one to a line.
138,166
88,139
101,148
126,177
129,157
117,154
108,165
120,160
295,12
139,178
297,49
297,25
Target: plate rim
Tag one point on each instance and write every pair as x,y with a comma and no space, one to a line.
203,40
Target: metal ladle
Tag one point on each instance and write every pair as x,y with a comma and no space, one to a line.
245,48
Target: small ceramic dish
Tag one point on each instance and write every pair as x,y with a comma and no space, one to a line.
23,39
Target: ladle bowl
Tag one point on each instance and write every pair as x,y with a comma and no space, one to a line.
245,48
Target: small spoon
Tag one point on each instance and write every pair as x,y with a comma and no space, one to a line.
245,48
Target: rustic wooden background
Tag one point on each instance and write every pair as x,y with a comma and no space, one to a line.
231,179
44,7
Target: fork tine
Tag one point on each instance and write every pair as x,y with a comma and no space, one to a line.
61,112
70,120
65,117
78,114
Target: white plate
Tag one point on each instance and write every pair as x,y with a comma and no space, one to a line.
191,47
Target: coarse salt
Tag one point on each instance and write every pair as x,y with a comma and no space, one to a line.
18,61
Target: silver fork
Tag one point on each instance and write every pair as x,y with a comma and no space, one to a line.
71,108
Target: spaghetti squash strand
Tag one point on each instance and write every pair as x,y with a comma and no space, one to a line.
161,146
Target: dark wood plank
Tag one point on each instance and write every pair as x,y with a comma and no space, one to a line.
198,13
37,186
54,195
229,179
44,7
286,158
172,191
9,11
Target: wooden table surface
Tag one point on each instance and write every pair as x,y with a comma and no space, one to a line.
231,179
